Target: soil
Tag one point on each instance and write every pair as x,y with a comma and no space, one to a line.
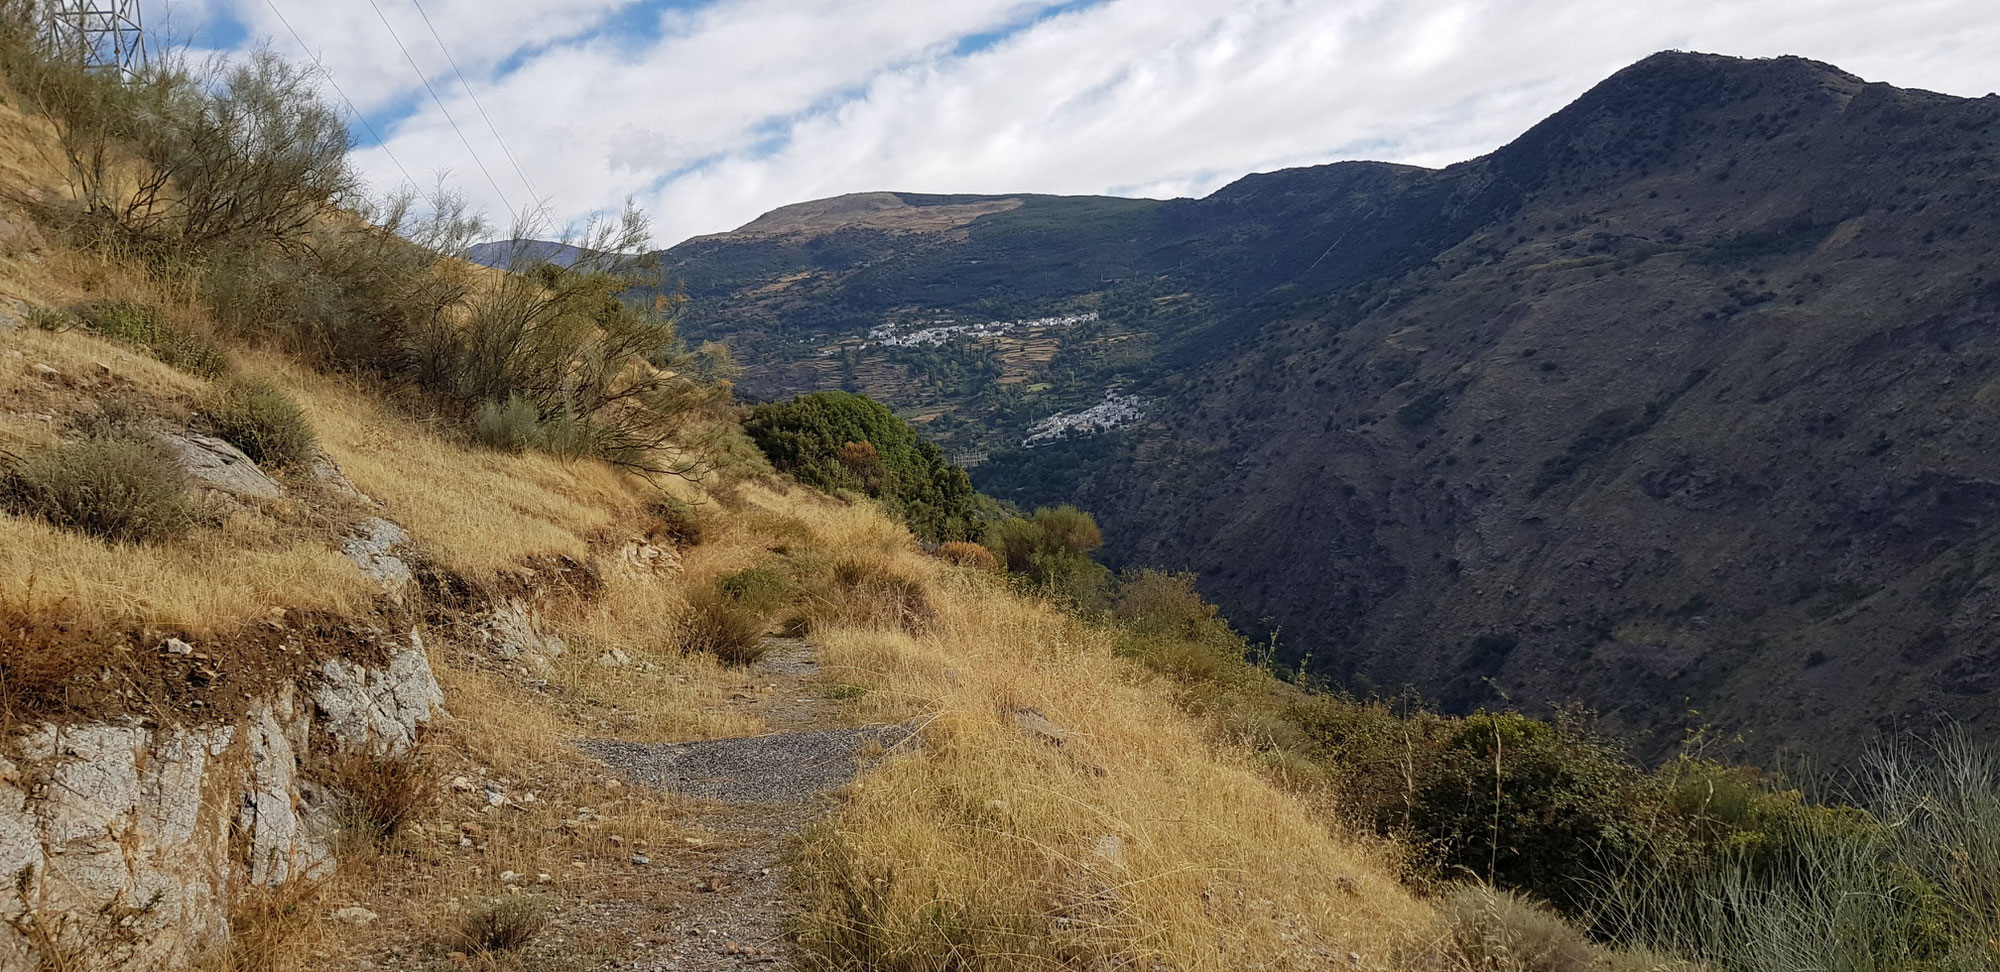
758,793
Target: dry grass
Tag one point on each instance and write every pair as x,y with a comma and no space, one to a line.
476,510
214,580
1130,839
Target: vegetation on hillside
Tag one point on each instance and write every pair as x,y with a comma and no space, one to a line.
1062,810
833,440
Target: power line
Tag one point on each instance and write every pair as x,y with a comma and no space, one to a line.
356,112
532,194
476,160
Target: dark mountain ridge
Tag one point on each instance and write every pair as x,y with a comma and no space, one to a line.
1681,404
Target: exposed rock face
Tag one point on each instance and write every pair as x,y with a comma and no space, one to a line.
513,631
372,549
126,843
220,466
378,710
640,555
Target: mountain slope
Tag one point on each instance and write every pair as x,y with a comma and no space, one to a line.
1705,422
1681,401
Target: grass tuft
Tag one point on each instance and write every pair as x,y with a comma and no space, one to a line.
502,924
120,490
721,625
382,795
267,424
1496,931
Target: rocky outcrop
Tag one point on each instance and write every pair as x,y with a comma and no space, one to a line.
378,711
512,630
372,548
221,467
642,557
125,841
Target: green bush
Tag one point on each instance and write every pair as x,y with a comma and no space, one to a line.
1051,551
510,426
151,330
1905,875
1542,806
267,424
766,590
117,489
832,440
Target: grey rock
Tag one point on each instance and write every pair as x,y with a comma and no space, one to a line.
355,915
221,466
1034,723
640,555
513,631
158,827
378,711
335,478
372,548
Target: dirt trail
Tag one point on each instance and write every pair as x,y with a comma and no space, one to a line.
764,790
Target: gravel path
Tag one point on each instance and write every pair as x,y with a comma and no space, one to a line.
778,768
765,790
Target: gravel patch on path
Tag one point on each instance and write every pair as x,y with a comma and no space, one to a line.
777,768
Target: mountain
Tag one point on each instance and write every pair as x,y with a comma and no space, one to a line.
1681,405
501,254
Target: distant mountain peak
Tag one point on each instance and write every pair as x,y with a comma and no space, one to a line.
890,211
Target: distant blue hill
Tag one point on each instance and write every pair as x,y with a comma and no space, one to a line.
504,253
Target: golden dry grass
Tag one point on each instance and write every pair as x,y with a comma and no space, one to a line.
477,511
257,561
1135,840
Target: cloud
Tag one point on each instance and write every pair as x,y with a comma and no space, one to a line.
713,112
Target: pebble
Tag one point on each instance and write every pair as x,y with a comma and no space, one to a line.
641,860
355,915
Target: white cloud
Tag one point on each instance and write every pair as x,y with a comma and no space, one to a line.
716,113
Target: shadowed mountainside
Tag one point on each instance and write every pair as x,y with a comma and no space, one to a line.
1681,404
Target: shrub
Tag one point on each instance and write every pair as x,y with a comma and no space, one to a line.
678,521
233,149
861,593
116,489
1484,930
1903,877
966,554
510,426
1529,804
1051,550
764,589
502,924
151,330
832,440
383,794
718,624
267,424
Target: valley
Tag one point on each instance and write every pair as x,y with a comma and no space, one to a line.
1678,405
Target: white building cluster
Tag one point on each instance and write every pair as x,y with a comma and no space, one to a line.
937,332
1114,411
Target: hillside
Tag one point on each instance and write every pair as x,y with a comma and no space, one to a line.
1679,405
306,665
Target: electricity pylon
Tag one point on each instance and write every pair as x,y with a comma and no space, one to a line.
102,34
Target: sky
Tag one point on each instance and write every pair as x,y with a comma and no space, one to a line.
710,112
